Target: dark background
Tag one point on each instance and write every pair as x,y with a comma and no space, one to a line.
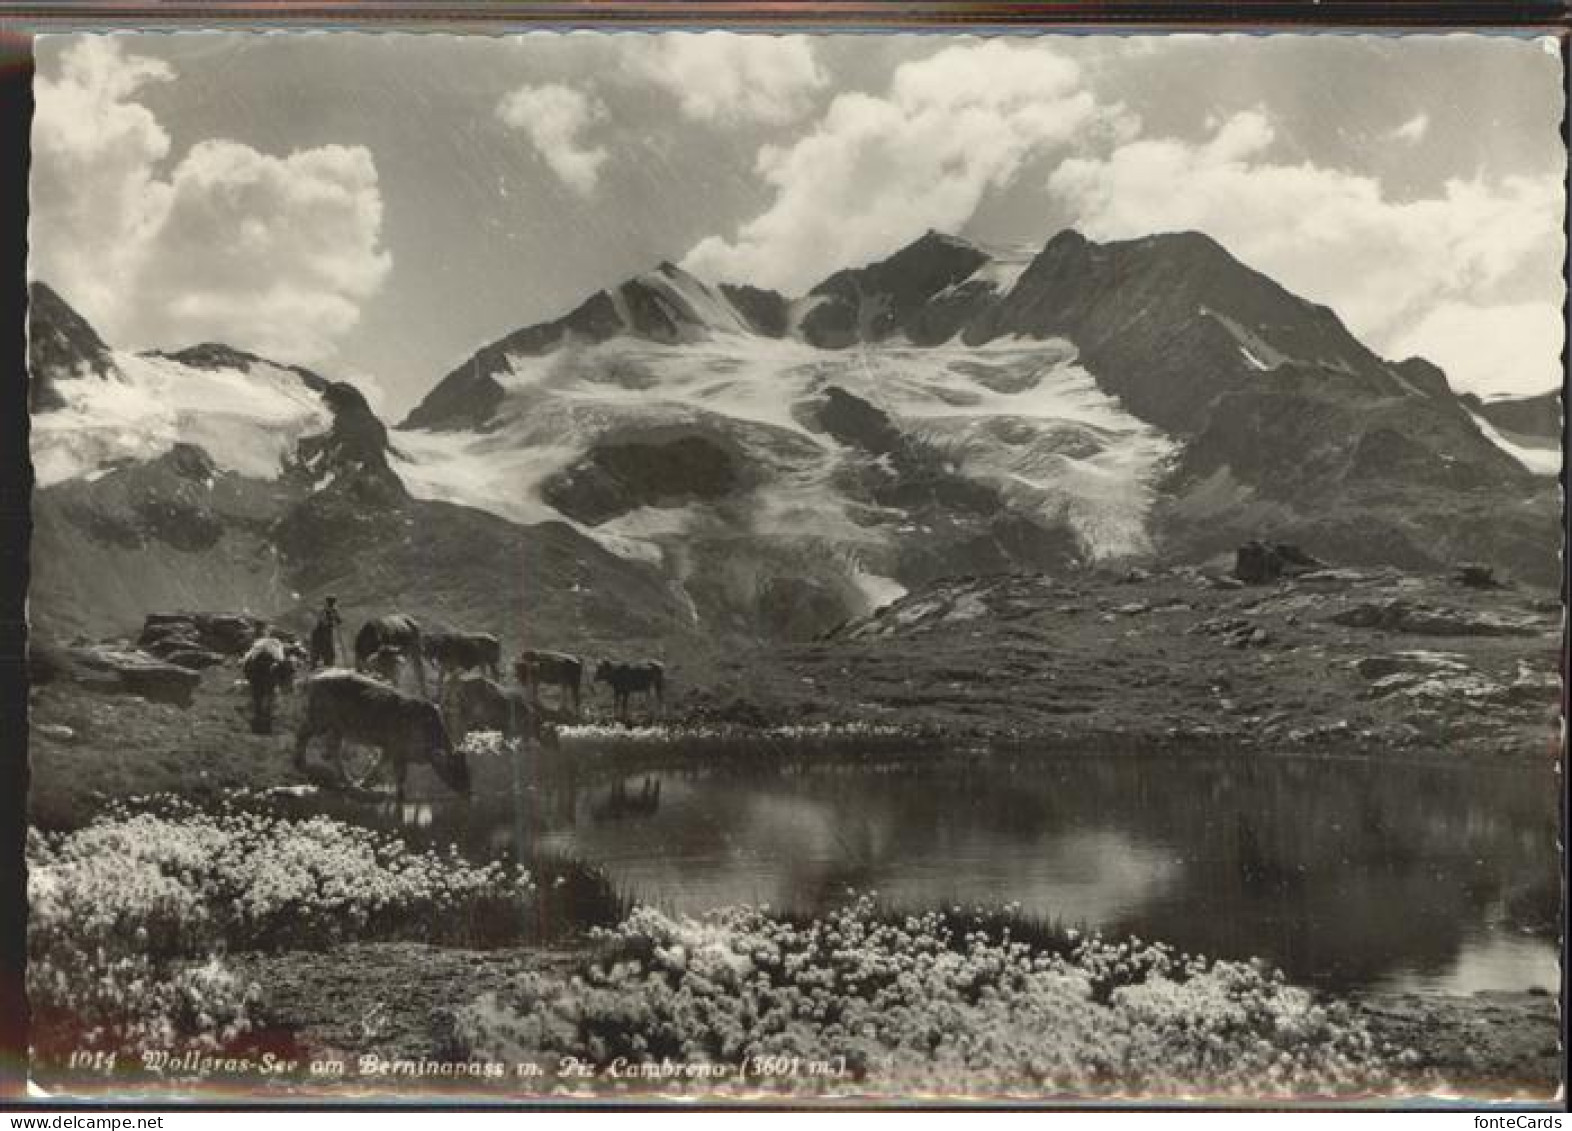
16,111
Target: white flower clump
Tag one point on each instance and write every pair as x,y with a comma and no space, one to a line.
127,915
188,877
896,1006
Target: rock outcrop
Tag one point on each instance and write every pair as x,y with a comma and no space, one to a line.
1401,615
122,671
226,634
1257,563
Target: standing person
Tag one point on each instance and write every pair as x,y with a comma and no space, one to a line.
324,636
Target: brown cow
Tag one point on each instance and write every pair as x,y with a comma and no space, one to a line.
348,706
558,669
397,631
269,667
465,651
478,703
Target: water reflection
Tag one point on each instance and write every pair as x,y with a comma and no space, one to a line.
618,803
1344,872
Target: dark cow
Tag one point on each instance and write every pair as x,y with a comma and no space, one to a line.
627,677
462,652
347,706
555,669
478,703
396,631
269,666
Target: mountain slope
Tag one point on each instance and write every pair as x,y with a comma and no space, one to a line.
726,457
672,461
953,409
62,347
210,478
1527,428
666,305
1289,425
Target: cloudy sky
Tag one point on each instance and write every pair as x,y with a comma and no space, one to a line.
377,206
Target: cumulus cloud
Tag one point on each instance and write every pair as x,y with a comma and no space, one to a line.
728,78
554,117
273,254
96,202
276,252
1387,266
1514,348
876,171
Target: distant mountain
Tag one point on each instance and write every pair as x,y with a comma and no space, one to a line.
917,293
953,408
211,478
1537,417
666,305
672,461
702,428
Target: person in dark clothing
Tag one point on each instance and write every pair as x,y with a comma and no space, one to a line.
324,637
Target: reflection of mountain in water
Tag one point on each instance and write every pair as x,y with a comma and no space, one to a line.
1342,872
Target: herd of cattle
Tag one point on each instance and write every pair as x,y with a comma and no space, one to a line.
368,706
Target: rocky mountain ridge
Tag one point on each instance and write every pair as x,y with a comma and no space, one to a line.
1279,419
730,460
221,521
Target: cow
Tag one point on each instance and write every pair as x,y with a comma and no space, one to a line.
269,666
348,706
461,652
558,669
396,631
627,677
478,703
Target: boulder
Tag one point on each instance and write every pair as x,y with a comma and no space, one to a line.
228,634
157,620
155,631
134,673
1475,576
1258,563
1446,690
1424,663
1400,615
194,658
165,646
1340,578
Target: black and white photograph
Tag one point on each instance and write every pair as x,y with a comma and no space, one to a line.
657,565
